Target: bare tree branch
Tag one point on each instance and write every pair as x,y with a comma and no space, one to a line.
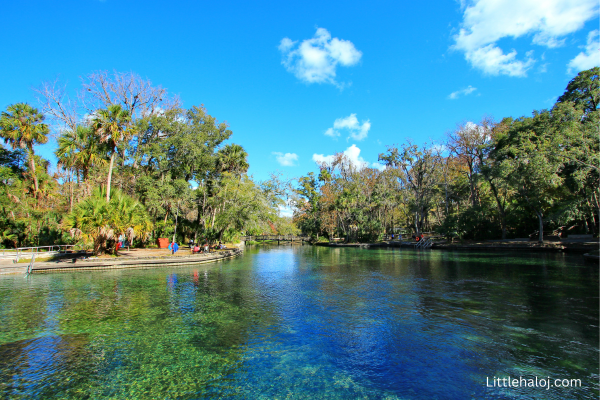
57,105
101,89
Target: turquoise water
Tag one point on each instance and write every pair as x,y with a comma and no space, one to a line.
305,322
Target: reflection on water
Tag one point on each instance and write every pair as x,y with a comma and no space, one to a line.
305,322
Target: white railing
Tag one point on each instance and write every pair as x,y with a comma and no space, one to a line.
39,251
423,243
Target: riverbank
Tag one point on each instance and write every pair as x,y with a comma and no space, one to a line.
562,246
133,258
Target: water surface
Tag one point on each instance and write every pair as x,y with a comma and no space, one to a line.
305,322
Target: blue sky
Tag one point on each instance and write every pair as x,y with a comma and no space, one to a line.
298,81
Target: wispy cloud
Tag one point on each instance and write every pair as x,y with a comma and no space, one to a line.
350,125
353,154
315,60
486,22
463,92
589,57
441,148
287,159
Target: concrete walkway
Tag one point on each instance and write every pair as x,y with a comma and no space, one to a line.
134,258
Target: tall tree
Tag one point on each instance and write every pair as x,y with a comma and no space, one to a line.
419,169
492,170
233,158
465,142
113,124
584,90
80,149
23,126
529,162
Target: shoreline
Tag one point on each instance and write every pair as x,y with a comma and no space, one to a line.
120,262
551,247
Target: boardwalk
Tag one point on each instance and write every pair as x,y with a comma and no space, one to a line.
278,238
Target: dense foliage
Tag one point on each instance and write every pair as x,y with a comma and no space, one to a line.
132,162
504,179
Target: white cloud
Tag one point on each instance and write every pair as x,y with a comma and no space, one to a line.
350,124
286,211
331,132
287,159
315,60
441,148
353,154
378,166
156,111
485,22
463,92
589,57
320,158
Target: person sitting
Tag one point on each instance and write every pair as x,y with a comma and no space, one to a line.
196,249
206,248
220,246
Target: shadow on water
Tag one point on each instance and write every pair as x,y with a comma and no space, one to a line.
305,322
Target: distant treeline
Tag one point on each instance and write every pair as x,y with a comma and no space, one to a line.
131,162
489,180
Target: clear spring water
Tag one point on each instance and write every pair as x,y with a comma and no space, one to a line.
305,322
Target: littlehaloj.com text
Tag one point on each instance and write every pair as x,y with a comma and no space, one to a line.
531,382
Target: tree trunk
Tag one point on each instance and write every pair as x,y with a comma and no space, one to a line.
33,174
417,230
588,226
110,168
500,208
446,202
541,234
593,217
597,204
70,191
473,194
221,232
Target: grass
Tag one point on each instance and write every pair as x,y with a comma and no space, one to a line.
28,260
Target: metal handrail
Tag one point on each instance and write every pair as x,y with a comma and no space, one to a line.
30,266
426,242
19,251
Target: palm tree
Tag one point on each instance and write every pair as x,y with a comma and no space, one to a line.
113,124
99,221
80,150
22,126
233,158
